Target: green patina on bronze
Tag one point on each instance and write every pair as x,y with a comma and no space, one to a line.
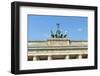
58,33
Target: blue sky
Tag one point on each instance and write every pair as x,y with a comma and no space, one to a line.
39,26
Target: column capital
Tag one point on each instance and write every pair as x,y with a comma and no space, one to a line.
34,58
79,56
49,57
67,57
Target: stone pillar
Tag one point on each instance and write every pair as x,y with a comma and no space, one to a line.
34,58
49,58
67,57
79,56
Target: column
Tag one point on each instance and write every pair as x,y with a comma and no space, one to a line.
67,57
49,58
34,58
80,56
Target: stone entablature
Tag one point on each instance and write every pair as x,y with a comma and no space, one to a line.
58,48
57,52
46,43
49,50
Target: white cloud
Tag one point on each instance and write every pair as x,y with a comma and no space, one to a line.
46,35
